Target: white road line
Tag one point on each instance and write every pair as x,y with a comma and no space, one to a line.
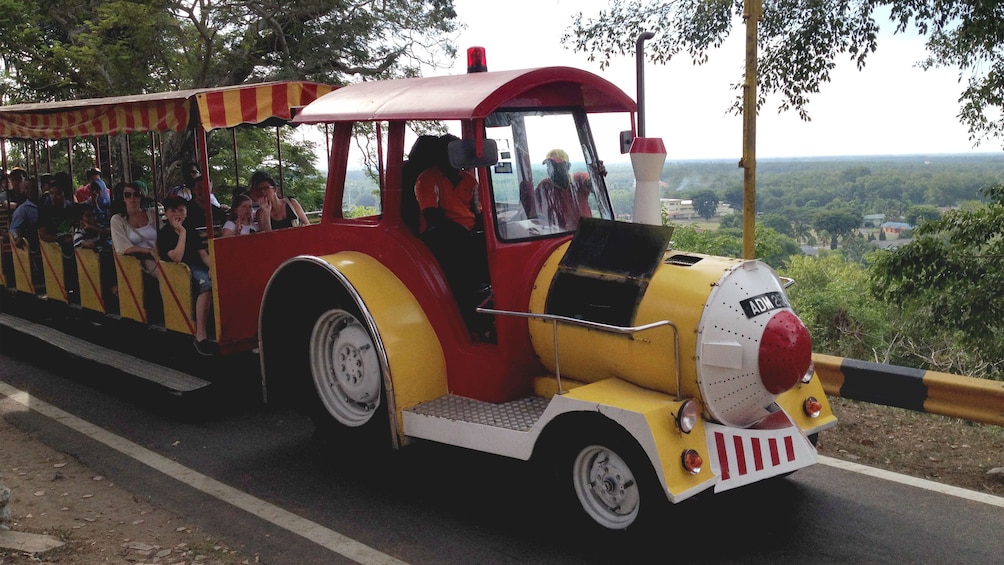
913,481
312,531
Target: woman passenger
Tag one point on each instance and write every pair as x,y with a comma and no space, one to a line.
134,232
134,228
274,212
240,220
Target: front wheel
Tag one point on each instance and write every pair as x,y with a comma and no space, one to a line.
611,480
346,370
606,487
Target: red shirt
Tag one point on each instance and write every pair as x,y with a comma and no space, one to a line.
434,190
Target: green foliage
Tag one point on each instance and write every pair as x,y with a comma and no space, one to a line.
919,212
842,319
65,49
949,281
836,223
769,246
800,43
705,203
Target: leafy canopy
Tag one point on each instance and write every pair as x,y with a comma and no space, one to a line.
801,42
64,49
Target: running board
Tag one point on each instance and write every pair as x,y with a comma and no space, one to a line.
176,381
508,428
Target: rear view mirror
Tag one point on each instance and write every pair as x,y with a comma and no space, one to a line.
463,155
626,139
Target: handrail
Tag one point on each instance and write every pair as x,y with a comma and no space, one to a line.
623,330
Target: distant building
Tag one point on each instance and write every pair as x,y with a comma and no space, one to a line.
873,220
678,209
895,228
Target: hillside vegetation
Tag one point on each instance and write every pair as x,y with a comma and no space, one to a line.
925,292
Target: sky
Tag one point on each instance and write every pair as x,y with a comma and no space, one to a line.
889,108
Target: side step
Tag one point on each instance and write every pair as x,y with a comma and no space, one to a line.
504,429
176,381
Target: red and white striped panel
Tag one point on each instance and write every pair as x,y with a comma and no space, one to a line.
743,456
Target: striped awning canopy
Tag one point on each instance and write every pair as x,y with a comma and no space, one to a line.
210,108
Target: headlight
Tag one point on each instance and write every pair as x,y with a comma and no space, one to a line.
687,417
808,373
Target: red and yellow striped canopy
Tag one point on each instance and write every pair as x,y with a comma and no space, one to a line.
209,108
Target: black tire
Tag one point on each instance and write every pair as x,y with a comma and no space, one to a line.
344,394
607,480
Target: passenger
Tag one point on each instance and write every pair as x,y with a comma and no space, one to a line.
16,193
95,192
134,229
88,233
191,175
55,218
44,186
240,221
5,194
181,244
197,217
24,220
274,212
557,198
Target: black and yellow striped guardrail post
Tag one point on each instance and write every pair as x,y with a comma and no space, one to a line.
969,398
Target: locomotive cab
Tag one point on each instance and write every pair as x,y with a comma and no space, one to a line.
637,371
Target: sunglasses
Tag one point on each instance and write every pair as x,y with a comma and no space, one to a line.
130,194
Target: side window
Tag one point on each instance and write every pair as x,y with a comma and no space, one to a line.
361,197
547,176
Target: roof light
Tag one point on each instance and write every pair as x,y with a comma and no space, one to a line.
813,408
477,61
692,461
687,417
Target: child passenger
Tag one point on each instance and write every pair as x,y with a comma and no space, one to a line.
240,220
181,244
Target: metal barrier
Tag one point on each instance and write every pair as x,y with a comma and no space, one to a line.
969,398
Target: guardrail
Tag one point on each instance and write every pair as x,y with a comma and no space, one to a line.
969,398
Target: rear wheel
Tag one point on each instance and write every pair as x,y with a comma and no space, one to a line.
346,399
345,368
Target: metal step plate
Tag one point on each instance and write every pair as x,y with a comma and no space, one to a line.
174,380
518,415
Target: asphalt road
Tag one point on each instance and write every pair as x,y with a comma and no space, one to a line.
435,504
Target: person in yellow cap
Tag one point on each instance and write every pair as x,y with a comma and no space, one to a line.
558,199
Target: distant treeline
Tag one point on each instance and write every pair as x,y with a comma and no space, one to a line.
868,184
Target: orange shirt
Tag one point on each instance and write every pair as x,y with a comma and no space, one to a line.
434,190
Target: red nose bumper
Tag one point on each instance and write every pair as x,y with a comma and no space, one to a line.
785,352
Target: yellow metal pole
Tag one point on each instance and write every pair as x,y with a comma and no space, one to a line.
752,12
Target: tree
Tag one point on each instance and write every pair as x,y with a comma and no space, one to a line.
919,212
91,48
837,223
842,318
949,281
800,42
705,203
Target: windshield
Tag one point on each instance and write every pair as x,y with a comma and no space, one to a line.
547,176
